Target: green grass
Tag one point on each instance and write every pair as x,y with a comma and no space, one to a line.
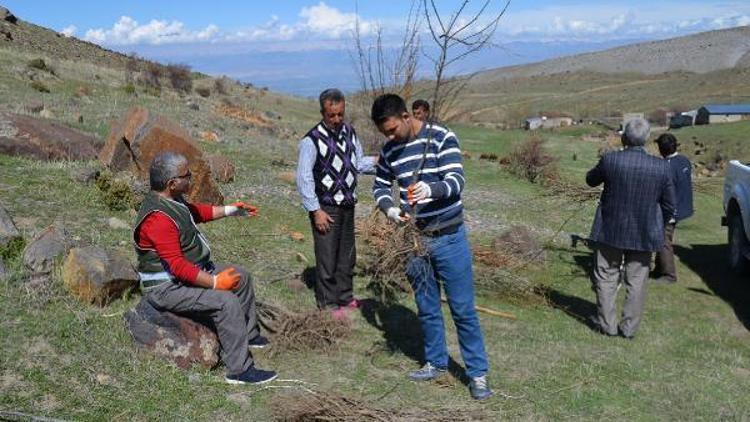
704,143
65,359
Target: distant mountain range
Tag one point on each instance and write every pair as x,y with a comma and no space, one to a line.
698,53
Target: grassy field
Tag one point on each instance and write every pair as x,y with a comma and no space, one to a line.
690,360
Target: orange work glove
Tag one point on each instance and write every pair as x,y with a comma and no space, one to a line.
227,279
241,208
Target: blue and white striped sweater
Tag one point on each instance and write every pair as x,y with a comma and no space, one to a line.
442,170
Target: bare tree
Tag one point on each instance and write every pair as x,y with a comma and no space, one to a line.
381,68
458,35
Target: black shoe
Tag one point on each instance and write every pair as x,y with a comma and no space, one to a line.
623,335
259,342
601,330
253,375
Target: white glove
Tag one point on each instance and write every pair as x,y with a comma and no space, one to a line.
394,213
230,210
420,191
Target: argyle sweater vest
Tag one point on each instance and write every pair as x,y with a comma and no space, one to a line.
335,170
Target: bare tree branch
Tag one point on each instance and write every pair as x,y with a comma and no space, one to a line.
463,34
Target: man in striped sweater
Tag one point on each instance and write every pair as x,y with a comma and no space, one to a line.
424,160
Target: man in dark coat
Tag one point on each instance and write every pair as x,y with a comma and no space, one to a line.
638,199
680,170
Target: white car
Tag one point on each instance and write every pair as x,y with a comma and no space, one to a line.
737,215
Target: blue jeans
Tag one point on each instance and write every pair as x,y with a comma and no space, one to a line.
448,260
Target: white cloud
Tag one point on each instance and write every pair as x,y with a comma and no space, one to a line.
69,30
318,22
329,22
127,31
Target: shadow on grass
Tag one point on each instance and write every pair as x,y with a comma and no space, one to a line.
309,277
402,332
575,307
708,262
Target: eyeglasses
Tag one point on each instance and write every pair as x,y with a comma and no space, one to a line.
187,175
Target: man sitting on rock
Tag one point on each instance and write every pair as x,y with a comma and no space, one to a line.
177,274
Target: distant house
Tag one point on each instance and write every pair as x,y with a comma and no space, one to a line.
533,123
722,113
553,122
544,122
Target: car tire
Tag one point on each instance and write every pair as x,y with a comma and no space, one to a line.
738,245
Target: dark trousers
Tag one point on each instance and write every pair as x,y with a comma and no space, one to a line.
665,257
335,256
231,313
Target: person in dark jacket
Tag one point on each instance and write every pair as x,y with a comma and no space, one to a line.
637,200
680,170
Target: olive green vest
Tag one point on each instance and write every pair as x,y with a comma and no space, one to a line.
194,246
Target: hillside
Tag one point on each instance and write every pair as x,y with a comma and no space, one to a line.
698,53
677,74
69,360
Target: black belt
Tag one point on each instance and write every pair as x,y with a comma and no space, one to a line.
442,231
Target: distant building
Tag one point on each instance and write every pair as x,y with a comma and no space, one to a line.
544,122
533,123
722,113
553,122
686,118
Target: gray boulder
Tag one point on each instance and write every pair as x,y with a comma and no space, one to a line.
7,16
178,339
8,232
97,276
46,248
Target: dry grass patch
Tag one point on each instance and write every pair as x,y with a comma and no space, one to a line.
310,405
244,115
314,330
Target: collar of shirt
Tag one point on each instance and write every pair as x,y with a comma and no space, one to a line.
332,132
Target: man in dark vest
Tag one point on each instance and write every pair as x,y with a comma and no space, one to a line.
330,157
177,274
681,172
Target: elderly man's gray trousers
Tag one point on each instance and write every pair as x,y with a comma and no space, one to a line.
230,313
606,277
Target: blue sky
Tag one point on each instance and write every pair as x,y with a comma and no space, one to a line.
240,39
289,22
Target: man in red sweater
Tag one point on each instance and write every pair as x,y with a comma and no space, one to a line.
177,274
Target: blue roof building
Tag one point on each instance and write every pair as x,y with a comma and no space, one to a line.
722,113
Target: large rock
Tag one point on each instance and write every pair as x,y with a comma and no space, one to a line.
46,248
7,16
139,135
97,276
43,139
179,339
222,168
8,232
